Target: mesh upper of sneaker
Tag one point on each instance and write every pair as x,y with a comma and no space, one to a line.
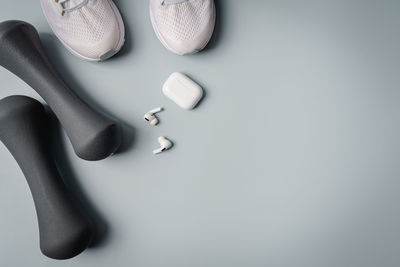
90,29
183,21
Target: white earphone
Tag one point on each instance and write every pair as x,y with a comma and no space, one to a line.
149,116
164,145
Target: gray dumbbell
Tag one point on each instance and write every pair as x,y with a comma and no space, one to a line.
93,135
65,230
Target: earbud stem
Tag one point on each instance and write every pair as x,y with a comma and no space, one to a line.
154,111
158,150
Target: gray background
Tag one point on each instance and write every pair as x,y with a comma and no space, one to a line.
291,159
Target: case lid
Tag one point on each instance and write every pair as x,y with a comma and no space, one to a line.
182,90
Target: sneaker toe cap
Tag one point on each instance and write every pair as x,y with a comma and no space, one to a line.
104,48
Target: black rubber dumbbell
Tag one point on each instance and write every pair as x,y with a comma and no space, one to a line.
93,135
65,229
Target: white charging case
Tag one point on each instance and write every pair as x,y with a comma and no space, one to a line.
182,90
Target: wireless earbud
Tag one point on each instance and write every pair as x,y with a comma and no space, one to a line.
149,116
164,145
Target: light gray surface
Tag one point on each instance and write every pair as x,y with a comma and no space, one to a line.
292,158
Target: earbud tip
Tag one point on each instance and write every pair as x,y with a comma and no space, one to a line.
154,122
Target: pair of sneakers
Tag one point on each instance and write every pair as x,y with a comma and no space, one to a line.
93,30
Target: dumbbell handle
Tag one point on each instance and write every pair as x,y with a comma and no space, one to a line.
65,230
93,135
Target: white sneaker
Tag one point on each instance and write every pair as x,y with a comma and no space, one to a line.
183,26
90,29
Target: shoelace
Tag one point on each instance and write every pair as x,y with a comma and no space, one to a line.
70,9
171,2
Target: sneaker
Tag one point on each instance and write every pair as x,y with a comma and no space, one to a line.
183,26
92,30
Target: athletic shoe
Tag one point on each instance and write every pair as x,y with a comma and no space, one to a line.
183,26
92,30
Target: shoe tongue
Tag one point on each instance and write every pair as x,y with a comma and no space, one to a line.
174,1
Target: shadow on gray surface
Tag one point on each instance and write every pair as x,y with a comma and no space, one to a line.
218,29
127,48
51,46
128,138
57,146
